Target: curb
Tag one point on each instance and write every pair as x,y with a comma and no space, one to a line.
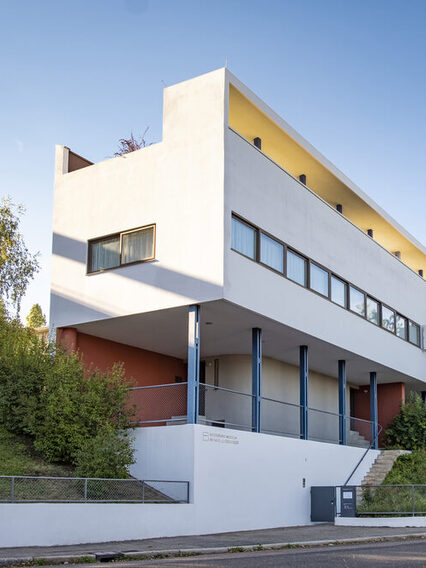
74,558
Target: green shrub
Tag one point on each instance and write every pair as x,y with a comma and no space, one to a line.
108,454
46,394
408,429
74,408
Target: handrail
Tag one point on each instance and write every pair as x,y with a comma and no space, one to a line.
379,431
281,401
225,389
157,386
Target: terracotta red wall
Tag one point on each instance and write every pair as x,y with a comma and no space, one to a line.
142,366
145,367
389,398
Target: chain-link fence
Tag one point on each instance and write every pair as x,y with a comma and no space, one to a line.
19,489
160,405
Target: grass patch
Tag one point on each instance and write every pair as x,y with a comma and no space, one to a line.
408,469
18,457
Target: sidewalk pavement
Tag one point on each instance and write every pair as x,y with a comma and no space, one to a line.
320,534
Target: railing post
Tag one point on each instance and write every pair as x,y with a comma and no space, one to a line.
342,402
187,491
373,410
304,392
85,490
413,500
143,491
256,377
193,385
12,489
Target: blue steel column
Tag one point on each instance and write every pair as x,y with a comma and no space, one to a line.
373,410
342,401
193,363
304,392
256,374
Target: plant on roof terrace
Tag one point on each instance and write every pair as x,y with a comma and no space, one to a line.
127,145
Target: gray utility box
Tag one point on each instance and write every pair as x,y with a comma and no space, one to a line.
323,504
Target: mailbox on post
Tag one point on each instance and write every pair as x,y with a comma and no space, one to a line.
348,501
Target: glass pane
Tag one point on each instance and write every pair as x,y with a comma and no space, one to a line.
401,327
243,238
388,319
373,311
296,268
338,291
105,254
271,252
413,333
137,245
319,279
356,301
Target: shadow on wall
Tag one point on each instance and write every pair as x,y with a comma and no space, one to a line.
67,302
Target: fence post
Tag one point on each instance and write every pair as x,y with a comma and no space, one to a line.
85,490
143,491
187,491
12,489
413,500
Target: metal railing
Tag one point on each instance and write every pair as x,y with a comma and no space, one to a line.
370,446
166,404
31,489
279,418
389,500
160,404
225,408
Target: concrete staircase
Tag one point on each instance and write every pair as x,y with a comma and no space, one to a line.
382,466
355,439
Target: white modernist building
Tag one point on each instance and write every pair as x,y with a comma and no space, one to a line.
269,312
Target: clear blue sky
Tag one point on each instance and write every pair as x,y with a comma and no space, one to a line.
349,75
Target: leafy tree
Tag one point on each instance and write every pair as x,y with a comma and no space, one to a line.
127,145
36,317
24,362
17,264
408,429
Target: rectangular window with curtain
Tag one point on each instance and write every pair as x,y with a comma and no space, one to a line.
244,238
137,245
319,279
401,326
297,268
414,333
123,248
357,301
105,253
339,292
271,253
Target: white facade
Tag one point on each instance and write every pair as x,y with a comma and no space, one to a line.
190,185
238,481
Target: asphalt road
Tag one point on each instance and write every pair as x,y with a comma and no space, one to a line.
399,554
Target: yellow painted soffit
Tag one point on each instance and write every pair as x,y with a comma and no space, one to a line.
250,122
